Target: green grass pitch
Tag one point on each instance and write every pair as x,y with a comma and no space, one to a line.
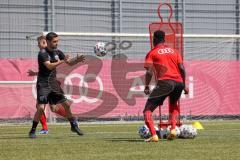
220,140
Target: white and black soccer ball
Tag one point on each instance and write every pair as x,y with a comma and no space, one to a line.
100,49
187,131
144,132
166,131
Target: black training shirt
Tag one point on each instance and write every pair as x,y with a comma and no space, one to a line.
45,55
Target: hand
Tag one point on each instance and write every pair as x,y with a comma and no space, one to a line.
60,61
186,90
147,90
80,58
32,73
67,57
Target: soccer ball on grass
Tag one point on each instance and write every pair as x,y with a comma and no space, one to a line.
187,131
144,131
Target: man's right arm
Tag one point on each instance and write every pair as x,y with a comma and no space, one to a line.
44,58
54,65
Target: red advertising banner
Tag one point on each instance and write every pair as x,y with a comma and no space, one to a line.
112,88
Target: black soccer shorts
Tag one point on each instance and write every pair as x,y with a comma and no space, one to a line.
163,89
46,94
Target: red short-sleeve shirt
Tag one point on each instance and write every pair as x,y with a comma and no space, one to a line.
164,60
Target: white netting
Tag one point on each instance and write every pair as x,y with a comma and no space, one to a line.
196,46
211,56
210,61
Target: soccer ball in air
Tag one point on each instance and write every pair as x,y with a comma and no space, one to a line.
100,49
188,131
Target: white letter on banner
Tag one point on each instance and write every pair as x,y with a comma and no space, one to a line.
191,89
133,90
83,95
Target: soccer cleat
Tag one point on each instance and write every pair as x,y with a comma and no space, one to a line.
152,139
77,130
43,131
172,135
32,134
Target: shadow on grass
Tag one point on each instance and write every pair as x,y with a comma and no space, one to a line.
12,138
142,140
38,137
124,139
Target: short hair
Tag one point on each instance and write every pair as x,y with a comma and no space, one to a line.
51,35
40,38
159,36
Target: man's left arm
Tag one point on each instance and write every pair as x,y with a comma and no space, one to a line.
148,65
183,75
148,77
32,72
72,61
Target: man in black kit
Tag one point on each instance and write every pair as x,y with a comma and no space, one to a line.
48,88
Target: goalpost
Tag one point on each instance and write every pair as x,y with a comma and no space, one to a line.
215,54
206,49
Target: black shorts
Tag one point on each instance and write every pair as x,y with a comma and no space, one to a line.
164,89
47,94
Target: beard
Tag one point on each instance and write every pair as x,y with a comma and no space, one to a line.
54,47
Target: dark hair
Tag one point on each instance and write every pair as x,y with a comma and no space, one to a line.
158,37
40,38
51,35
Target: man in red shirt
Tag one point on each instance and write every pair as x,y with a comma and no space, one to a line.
167,66
42,43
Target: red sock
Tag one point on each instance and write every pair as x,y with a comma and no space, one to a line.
61,111
43,121
174,113
149,121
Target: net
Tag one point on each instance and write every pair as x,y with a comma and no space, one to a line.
112,87
209,61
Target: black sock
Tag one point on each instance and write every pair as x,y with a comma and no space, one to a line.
73,121
34,126
72,124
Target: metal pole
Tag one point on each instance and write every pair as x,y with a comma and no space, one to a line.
120,16
120,23
237,29
45,15
183,15
183,24
113,15
52,117
176,10
53,15
113,22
